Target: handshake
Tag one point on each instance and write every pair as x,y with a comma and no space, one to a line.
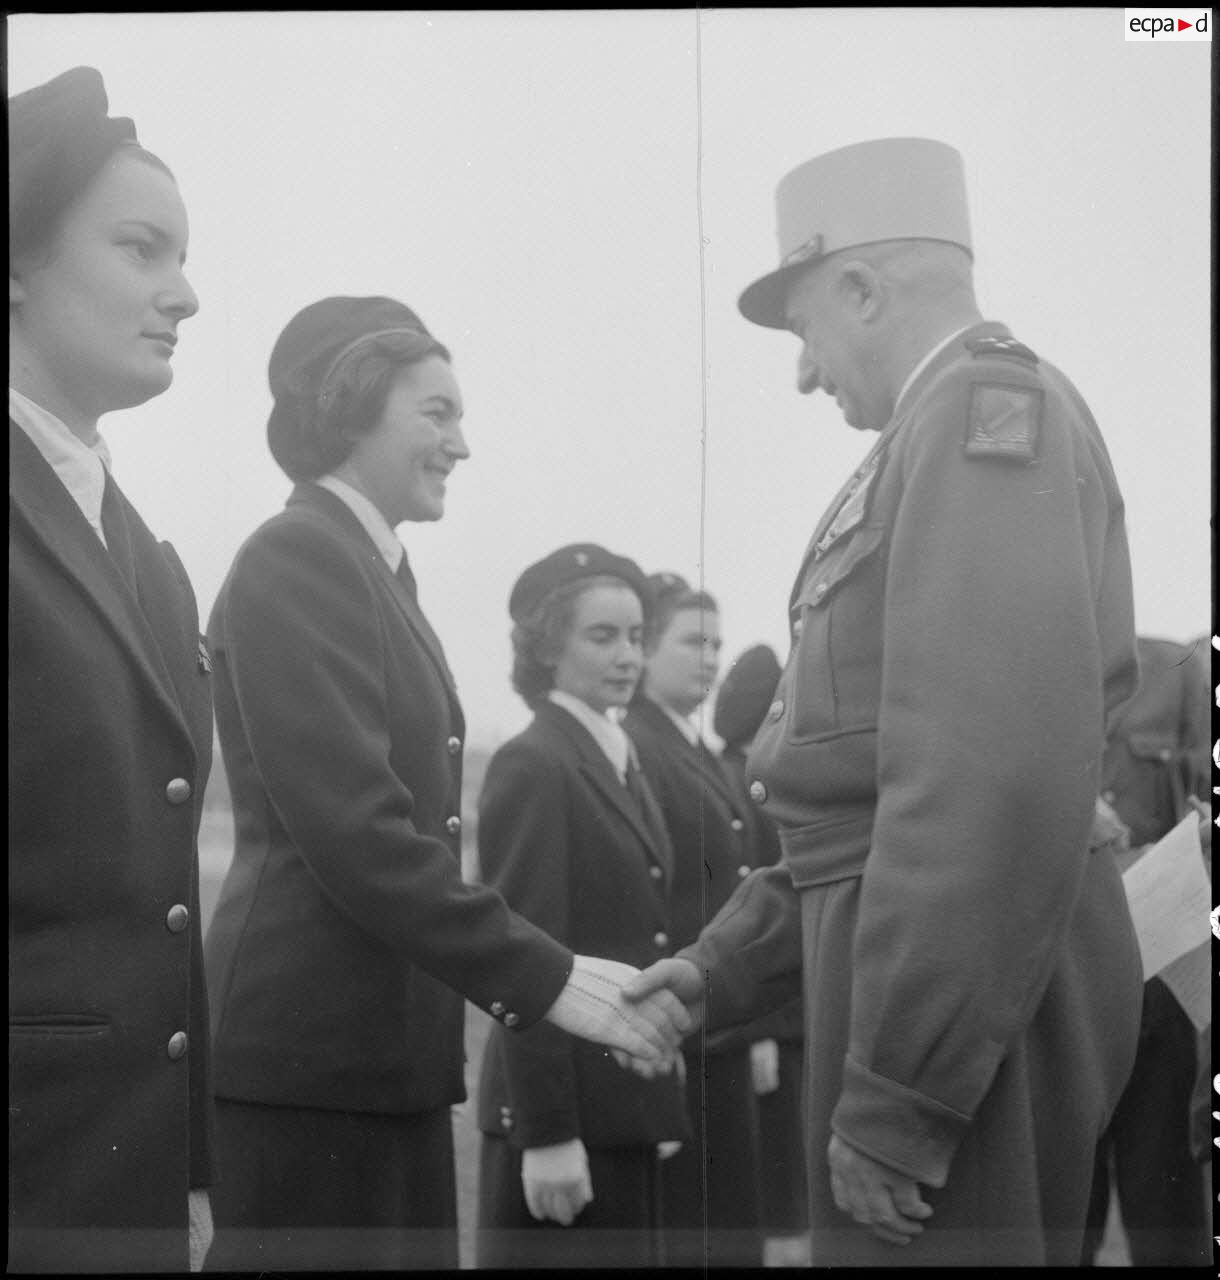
642,1016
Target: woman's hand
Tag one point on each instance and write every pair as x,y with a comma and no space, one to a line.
556,1181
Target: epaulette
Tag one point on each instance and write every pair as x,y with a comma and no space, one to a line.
1001,347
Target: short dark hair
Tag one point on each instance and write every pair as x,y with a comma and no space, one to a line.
311,432
668,603
539,637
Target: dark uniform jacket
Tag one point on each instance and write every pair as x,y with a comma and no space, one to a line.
345,939
567,845
961,634
1158,750
110,741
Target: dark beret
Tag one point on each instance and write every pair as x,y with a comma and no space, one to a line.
667,584
570,564
314,339
59,136
745,694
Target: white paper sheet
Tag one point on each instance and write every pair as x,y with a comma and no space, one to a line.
1170,897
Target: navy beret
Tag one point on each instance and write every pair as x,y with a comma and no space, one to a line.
59,137
667,584
745,694
570,564
317,337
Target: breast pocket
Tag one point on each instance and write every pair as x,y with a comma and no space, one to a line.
837,617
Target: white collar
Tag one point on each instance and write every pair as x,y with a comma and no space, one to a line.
375,524
607,733
927,360
688,729
80,467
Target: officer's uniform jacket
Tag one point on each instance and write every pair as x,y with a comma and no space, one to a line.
110,741
571,850
961,633
345,939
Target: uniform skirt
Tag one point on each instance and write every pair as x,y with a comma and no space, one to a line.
307,1189
618,1228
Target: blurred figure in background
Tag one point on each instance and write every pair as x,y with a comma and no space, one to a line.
776,1040
345,939
572,838
1157,757
711,1187
110,718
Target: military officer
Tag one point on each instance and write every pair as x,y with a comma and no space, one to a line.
961,628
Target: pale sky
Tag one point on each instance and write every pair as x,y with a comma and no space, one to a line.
537,185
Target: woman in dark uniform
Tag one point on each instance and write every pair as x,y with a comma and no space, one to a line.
711,1186
110,718
345,939
571,837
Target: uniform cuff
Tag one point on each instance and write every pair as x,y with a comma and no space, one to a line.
902,1128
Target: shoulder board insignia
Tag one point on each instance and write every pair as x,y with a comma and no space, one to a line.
1001,347
1004,422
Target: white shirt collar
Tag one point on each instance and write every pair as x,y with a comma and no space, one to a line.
375,524
80,467
688,729
610,736
927,360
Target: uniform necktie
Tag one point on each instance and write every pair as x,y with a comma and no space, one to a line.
118,538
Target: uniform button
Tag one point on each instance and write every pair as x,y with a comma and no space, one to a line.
797,627
177,1046
758,793
178,791
1165,753
737,824
177,918
453,825
1108,797
655,872
820,590
661,939
511,1019
776,709
743,871
453,746
506,1118
497,1009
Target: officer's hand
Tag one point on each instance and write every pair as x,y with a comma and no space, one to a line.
876,1196
672,975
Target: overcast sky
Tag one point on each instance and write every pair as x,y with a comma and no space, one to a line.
573,201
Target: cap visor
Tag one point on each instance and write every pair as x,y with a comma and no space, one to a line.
763,301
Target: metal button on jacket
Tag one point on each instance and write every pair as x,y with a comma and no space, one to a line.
497,1009
177,918
177,1046
511,1019
776,709
506,1117
758,793
743,871
820,590
178,791
655,872
453,746
453,825
661,939
737,824
797,627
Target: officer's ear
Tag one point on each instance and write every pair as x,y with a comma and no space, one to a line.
859,288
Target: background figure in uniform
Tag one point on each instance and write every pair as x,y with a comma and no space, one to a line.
1157,755
961,636
711,1186
344,939
570,835
776,1040
110,718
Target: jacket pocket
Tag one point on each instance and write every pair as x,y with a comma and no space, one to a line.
819,609
57,1024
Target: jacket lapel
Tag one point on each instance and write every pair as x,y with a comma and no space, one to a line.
39,500
339,513
593,765
695,758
